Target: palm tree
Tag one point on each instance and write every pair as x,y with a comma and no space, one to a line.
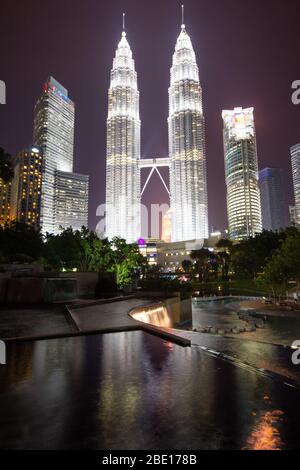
225,247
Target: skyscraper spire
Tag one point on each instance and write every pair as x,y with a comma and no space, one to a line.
123,147
182,17
186,144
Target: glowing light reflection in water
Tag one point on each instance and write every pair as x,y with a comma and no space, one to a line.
265,435
157,315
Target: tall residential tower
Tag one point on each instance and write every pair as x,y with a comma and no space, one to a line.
123,148
188,189
241,172
295,159
27,187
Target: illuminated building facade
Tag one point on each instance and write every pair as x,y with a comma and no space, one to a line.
148,248
241,172
5,202
54,134
272,199
123,148
295,158
27,187
71,200
188,188
292,214
166,229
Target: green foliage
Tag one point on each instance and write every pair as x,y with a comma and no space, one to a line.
95,253
79,249
127,260
249,257
20,243
62,251
284,265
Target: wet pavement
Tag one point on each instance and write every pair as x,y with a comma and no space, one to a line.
34,320
216,314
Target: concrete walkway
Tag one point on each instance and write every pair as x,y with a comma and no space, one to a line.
107,316
114,316
18,321
81,318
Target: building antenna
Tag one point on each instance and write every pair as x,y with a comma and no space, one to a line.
123,21
182,15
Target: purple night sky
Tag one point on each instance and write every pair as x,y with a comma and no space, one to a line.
246,53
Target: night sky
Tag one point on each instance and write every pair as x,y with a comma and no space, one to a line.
247,53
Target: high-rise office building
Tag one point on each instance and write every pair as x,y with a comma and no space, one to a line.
54,116
54,134
71,200
292,214
188,185
5,202
241,172
295,158
272,198
123,148
27,187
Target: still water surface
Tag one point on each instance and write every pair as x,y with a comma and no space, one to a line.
135,391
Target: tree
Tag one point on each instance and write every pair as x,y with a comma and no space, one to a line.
80,249
224,247
96,254
225,244
127,260
6,167
62,251
202,258
249,257
20,243
187,265
284,265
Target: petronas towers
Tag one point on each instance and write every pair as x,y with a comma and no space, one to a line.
188,193
123,148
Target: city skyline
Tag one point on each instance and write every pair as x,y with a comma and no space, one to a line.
155,140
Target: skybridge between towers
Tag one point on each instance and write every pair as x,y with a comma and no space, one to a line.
154,164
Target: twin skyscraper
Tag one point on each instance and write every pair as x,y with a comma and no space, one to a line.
186,162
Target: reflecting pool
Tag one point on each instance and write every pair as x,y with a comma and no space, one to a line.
136,391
